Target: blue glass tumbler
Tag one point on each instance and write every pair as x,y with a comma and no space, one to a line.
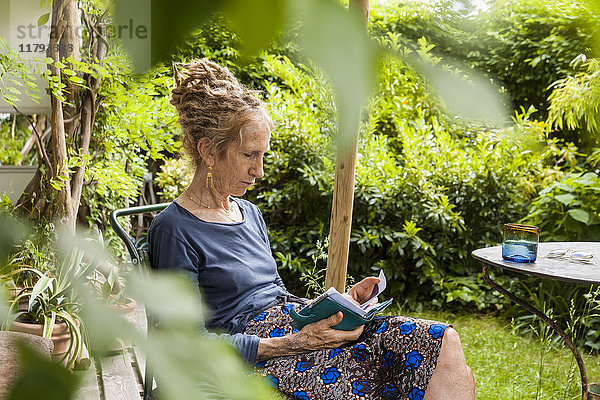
520,243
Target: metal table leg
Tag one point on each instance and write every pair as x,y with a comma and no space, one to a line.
547,320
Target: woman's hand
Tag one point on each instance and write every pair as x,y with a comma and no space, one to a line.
363,289
316,336
321,334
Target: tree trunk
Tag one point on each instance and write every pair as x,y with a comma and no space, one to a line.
70,126
69,47
343,195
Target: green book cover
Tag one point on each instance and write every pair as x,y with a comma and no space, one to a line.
332,301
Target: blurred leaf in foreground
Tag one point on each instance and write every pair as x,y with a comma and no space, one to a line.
469,95
334,38
189,365
246,15
42,378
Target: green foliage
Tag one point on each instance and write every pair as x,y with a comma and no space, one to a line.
215,41
174,176
575,100
427,191
11,152
16,75
523,45
567,210
11,143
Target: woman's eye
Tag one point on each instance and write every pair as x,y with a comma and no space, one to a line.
248,155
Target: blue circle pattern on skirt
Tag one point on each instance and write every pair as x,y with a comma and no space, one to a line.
393,358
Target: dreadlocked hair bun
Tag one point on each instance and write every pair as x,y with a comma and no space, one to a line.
212,104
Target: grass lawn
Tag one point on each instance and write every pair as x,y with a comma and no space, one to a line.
508,366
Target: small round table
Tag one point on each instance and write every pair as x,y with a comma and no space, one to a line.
561,269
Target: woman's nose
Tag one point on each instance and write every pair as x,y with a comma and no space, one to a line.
257,169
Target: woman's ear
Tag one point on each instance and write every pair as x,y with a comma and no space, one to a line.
206,150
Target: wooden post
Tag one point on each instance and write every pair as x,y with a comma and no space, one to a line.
343,194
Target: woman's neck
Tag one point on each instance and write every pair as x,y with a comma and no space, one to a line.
207,197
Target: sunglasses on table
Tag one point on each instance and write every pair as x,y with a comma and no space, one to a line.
582,256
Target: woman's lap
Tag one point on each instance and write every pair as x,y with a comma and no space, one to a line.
393,359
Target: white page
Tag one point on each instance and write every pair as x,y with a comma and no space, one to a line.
341,299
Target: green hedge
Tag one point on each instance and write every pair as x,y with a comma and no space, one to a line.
523,45
429,188
427,192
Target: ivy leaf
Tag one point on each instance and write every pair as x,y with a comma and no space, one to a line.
580,215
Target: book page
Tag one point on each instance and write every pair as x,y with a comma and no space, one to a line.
343,300
361,309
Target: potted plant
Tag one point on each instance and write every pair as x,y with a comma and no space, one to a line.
110,289
52,307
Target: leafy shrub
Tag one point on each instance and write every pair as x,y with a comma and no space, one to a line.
523,45
575,100
173,177
426,193
568,210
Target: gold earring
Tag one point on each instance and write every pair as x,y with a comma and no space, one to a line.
209,177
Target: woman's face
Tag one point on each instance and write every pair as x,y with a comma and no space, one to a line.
243,161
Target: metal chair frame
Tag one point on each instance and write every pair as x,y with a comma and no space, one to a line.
139,258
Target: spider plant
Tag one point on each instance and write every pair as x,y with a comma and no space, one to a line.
52,297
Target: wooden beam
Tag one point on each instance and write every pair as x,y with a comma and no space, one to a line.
343,194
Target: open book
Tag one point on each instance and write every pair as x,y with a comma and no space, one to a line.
332,301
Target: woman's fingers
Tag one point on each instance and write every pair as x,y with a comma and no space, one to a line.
334,319
327,337
362,290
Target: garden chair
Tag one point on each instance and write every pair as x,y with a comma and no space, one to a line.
138,252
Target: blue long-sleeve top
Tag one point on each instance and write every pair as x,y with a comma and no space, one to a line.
231,264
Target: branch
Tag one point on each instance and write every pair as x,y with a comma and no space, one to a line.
92,27
32,139
39,142
12,127
88,112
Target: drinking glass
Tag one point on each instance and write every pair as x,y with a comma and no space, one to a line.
520,243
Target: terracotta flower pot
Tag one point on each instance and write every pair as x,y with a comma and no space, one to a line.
127,312
61,336
23,302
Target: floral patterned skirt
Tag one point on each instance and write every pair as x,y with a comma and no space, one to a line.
394,358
